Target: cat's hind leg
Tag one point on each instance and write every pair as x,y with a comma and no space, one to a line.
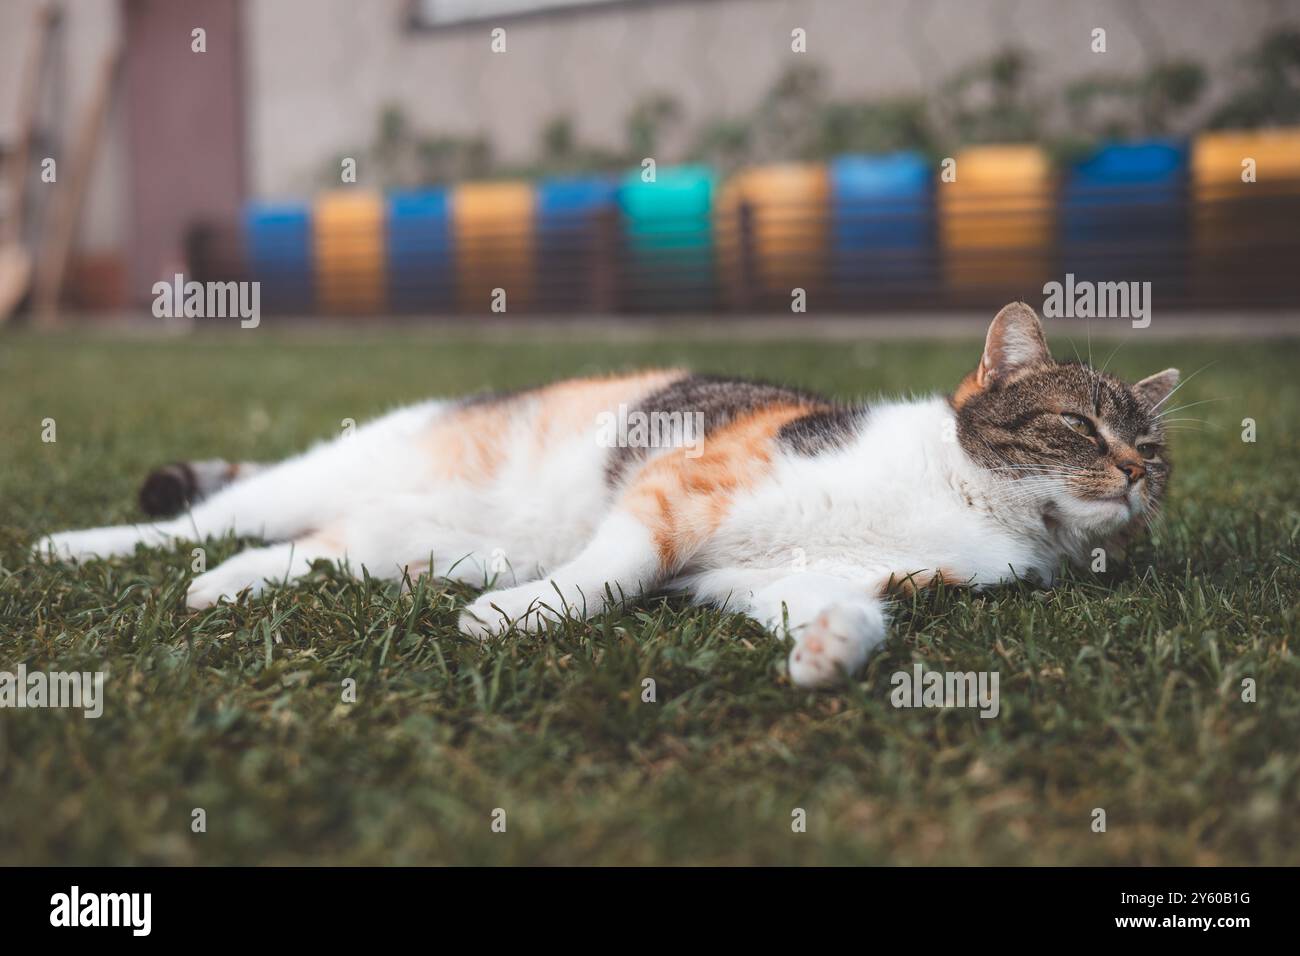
278,502
389,540
166,492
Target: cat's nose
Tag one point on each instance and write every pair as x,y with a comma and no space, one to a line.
1133,470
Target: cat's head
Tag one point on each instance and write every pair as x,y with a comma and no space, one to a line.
1083,447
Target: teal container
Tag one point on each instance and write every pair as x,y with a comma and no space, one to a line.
668,240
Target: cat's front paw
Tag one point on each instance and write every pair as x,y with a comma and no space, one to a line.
208,589
524,608
834,645
249,571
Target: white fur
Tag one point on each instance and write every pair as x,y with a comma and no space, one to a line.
809,548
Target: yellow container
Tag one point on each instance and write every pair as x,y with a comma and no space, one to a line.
996,220
348,239
494,234
789,229
1231,238
1218,158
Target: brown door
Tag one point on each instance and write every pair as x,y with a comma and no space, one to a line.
185,125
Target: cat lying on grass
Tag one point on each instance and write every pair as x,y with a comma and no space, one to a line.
802,512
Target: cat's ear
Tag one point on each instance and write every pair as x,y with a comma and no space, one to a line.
1154,389
1015,341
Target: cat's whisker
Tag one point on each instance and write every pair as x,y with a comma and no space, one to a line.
1025,490
1023,479
1154,514
1025,486
1052,466
1075,350
1170,411
1106,364
1020,495
1062,470
1033,465
1173,391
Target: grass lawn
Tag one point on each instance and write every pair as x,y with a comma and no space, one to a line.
1120,690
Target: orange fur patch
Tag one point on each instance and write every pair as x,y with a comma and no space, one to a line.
469,444
909,584
572,406
970,387
682,500
473,442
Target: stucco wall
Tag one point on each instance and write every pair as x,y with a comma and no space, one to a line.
321,70
318,72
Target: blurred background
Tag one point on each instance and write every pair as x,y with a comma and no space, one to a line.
412,157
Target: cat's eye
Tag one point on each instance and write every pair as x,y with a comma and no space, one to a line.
1079,424
1148,450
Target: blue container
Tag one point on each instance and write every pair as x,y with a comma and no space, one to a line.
570,233
882,225
277,238
1124,214
563,202
421,264
668,230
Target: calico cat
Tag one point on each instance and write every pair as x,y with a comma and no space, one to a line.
804,513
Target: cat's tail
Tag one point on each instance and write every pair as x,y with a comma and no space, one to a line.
171,489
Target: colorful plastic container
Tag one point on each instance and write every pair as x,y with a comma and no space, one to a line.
1244,233
421,267
882,227
277,242
494,233
996,223
668,239
1123,215
772,233
577,229
348,234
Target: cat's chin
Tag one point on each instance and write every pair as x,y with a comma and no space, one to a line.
1093,517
